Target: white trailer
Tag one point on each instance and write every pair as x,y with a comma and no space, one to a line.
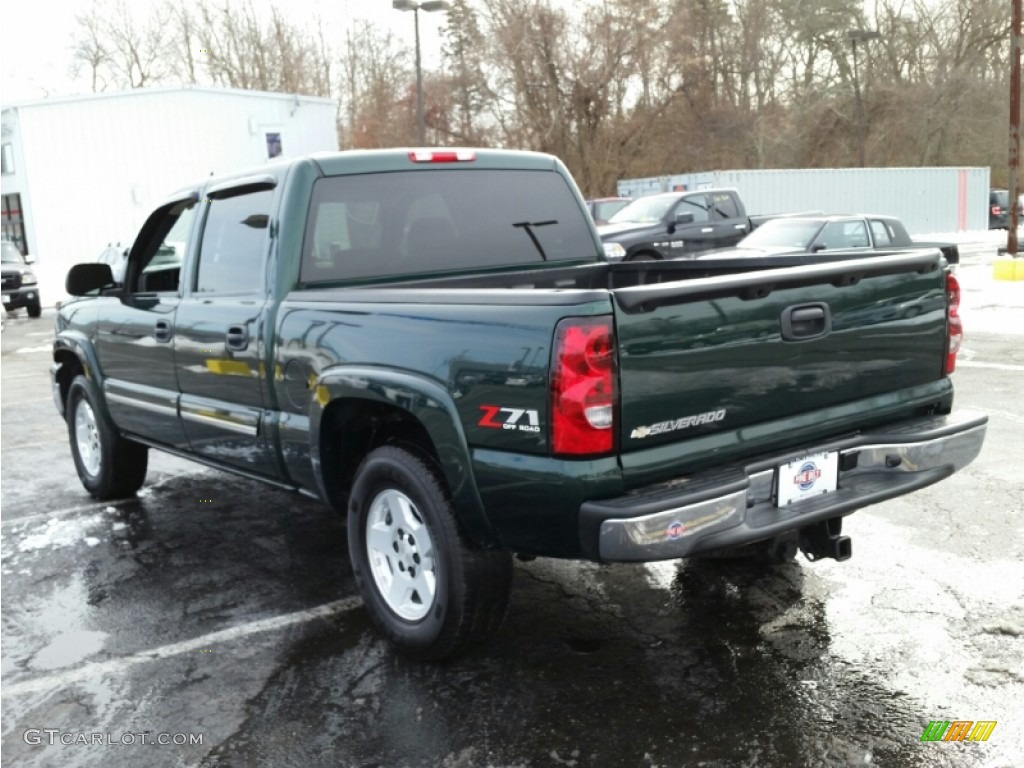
927,200
82,172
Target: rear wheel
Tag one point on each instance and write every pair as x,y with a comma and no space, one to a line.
109,466
429,591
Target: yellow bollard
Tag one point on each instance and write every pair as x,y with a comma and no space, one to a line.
1008,269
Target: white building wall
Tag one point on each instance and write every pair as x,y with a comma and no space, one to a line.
93,168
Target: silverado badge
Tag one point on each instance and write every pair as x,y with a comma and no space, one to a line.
684,423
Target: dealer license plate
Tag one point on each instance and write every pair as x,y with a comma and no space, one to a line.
808,477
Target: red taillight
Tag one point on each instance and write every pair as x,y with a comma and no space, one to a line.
956,327
583,387
444,156
996,210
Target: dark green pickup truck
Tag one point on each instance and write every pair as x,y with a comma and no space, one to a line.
432,343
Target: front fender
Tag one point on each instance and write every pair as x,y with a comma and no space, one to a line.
430,404
78,344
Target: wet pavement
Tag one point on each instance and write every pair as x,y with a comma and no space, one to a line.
212,608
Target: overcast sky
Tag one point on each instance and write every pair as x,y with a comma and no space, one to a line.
35,38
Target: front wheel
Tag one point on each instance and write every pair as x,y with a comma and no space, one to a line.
34,310
428,590
109,466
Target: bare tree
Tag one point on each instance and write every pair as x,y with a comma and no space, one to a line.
90,47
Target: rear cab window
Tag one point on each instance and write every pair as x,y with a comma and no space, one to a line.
422,222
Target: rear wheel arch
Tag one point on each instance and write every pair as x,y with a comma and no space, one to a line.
351,428
389,407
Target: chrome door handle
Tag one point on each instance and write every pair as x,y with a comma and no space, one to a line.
237,338
162,330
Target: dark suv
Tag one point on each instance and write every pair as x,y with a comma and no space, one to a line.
20,286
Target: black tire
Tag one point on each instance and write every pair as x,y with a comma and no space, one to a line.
113,467
34,310
471,586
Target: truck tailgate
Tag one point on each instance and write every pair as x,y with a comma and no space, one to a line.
723,353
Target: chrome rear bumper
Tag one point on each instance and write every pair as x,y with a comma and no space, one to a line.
736,506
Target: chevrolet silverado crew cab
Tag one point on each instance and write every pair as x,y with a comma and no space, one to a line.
432,343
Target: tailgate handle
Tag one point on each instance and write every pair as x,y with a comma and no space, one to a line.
806,321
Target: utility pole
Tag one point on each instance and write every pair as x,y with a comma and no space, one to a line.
429,6
855,36
1015,53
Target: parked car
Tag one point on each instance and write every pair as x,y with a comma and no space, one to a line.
20,285
603,208
432,342
115,255
817,234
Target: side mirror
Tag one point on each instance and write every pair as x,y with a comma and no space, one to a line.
684,218
30,259
83,279
818,247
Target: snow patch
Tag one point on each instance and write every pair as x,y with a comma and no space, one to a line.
59,533
69,648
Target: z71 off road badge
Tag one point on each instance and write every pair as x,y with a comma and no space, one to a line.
496,417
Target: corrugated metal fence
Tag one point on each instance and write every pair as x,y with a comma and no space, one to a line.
925,199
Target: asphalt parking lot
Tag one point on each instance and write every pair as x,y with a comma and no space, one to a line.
214,610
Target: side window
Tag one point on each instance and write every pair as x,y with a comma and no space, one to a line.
157,267
844,234
880,233
857,234
233,251
695,204
723,206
